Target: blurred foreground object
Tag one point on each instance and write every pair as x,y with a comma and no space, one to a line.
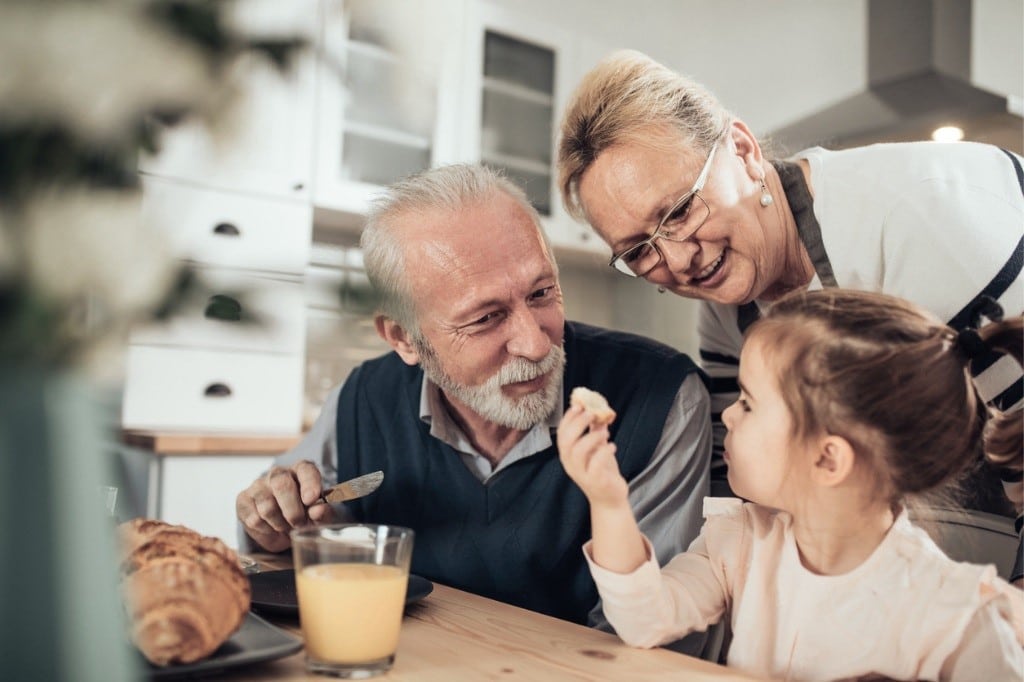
82,89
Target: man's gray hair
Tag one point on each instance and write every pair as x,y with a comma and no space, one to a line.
445,188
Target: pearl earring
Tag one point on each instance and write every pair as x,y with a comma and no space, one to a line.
661,290
766,196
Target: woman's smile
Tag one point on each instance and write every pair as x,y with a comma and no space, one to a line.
708,274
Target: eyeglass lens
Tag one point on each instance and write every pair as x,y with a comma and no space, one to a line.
679,224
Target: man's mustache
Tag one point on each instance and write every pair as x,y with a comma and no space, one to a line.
520,369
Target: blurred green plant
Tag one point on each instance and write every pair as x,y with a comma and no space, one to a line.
86,85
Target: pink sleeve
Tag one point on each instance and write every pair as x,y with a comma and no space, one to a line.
649,606
990,649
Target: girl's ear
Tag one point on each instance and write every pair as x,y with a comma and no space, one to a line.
397,338
834,461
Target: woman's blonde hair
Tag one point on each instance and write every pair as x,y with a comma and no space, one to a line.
622,97
885,375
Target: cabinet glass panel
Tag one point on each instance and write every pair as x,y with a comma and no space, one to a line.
387,108
519,62
380,161
517,113
516,126
536,185
384,92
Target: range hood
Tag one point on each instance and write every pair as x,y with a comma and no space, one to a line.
919,55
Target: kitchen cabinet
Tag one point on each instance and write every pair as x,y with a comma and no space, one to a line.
199,491
264,145
518,74
403,86
383,67
233,358
193,479
236,206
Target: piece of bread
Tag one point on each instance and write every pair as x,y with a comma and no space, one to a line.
594,403
185,593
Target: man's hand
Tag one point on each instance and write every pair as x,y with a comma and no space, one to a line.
281,500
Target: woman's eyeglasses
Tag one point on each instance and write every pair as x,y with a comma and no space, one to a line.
678,224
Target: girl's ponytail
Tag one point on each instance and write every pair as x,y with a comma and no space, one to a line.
1004,433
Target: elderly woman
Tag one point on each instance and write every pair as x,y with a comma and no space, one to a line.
684,195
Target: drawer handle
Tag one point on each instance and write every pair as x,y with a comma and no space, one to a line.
221,307
217,390
226,230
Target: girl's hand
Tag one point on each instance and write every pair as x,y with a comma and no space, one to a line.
589,459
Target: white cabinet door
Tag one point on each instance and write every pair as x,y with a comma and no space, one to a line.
378,84
199,491
266,146
518,73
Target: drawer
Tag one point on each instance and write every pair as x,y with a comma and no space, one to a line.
229,230
191,390
265,314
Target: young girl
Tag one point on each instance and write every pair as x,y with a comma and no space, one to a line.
849,402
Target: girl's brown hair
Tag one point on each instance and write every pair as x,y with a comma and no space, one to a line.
1004,433
885,375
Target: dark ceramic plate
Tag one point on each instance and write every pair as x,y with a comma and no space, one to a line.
256,641
273,592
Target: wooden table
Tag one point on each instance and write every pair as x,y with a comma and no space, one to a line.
453,635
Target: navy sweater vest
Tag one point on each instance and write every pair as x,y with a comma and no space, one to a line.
518,538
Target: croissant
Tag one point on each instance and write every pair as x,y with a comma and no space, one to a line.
185,593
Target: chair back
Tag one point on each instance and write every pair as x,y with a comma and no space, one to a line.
968,535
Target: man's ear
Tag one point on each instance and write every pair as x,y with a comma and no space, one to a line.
834,460
397,338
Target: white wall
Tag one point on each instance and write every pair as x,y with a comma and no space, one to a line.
769,62
997,47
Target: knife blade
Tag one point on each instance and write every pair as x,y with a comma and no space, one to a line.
352,489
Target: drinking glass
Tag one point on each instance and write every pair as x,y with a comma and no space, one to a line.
109,495
351,581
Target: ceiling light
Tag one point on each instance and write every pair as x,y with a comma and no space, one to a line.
948,134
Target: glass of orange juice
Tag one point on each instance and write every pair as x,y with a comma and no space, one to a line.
351,580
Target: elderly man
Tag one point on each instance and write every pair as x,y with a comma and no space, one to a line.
460,417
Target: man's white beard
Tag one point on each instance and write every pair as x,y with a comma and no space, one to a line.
489,402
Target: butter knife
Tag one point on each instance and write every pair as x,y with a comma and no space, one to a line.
352,489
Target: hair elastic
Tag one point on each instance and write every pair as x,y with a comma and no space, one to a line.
970,345
987,307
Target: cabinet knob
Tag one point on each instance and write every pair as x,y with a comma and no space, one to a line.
221,307
226,230
217,390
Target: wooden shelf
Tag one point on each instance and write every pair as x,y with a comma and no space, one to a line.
179,443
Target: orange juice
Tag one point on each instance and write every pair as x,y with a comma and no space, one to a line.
351,613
